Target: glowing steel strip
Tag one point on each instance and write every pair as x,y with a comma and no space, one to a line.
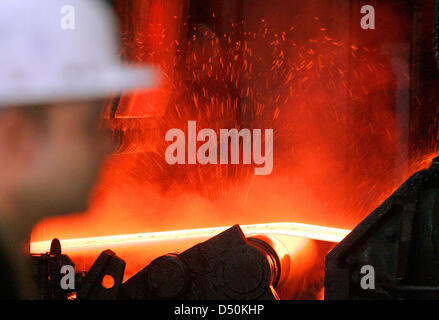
282,228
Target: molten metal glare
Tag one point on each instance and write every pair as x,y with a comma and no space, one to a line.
283,228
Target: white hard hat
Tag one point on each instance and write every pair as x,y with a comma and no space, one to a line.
44,58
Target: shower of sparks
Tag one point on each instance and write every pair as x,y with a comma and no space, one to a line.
328,96
282,228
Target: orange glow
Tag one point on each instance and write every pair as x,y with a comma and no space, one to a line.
108,281
283,229
328,95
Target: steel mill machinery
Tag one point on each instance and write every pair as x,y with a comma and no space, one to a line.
399,240
226,266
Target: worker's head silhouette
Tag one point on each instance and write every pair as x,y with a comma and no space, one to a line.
58,62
